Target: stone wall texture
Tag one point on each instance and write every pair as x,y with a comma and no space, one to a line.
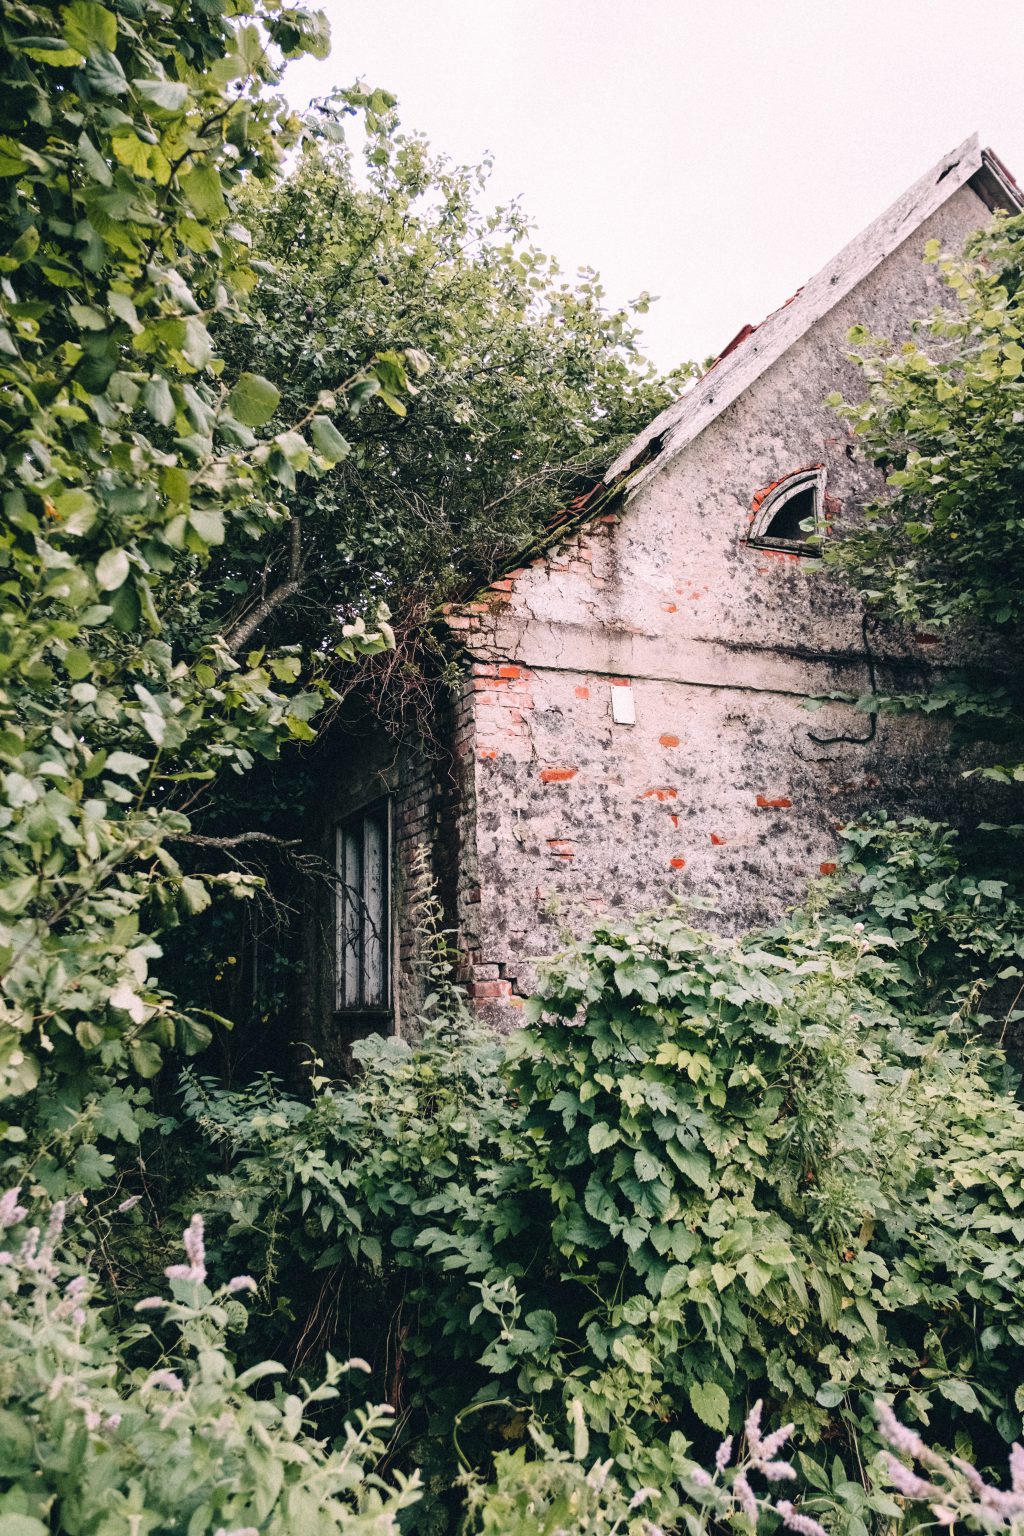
719,792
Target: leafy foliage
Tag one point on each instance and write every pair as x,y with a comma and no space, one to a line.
90,1442
129,452
532,382
707,1171
944,415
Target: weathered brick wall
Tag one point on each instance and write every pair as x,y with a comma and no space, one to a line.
719,792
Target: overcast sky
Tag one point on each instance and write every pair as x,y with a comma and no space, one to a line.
715,152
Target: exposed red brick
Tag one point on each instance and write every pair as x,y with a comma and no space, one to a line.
781,804
561,847
487,753
609,517
621,682
504,585
660,792
673,818
719,842
827,868
677,863
510,671
670,607
557,775
486,989
583,693
668,740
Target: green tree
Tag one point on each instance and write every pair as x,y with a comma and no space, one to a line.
128,453
533,381
944,414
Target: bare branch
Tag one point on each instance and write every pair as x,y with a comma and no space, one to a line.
239,634
236,841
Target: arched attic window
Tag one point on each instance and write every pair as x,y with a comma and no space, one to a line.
789,513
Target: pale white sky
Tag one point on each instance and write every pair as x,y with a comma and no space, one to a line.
716,152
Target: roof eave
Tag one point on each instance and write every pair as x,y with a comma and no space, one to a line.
680,423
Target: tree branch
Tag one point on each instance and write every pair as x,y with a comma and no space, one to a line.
239,634
236,841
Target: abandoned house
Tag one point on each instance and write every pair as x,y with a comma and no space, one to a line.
631,723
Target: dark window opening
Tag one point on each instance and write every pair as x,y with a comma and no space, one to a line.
789,520
788,514
363,912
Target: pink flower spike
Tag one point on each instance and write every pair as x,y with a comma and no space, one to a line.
241,1283
776,1471
10,1211
744,1496
752,1428
803,1525
194,1246
772,1444
723,1455
898,1435
1017,1468
128,1205
700,1478
167,1380
906,1481
150,1304
943,1515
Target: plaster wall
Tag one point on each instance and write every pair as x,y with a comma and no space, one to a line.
718,792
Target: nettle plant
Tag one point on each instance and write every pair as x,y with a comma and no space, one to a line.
129,452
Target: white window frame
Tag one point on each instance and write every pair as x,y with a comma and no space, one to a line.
363,916
792,485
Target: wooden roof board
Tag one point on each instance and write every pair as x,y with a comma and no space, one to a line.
684,420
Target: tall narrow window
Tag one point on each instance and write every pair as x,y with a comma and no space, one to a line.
363,912
788,514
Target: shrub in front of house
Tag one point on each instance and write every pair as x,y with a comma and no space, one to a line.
708,1172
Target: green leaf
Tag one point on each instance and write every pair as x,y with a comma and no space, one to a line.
167,95
253,400
711,1405
126,763
203,190
146,1057
22,1525
601,1136
112,570
16,894
105,75
158,400
208,524
131,152
88,26
327,440
646,1166
961,1393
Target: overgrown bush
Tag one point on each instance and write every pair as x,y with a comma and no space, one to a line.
91,1442
786,1168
